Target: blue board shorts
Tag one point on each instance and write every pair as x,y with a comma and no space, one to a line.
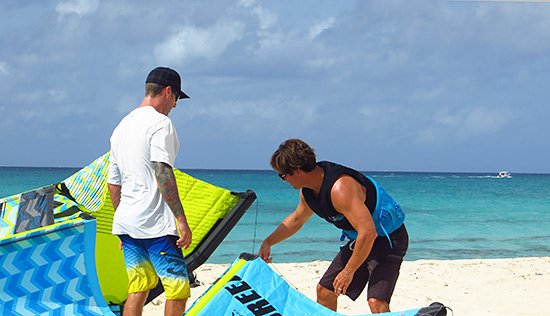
149,259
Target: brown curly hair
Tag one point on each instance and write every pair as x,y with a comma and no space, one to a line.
293,154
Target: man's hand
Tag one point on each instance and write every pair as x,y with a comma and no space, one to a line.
186,235
265,252
342,281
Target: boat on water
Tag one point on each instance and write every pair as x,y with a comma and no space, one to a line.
504,174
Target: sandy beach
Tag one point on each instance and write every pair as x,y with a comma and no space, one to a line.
519,286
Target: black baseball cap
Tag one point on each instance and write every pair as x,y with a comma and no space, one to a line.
167,77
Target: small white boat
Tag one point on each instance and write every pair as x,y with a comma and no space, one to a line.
504,174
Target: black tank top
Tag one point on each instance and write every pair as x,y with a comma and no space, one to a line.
322,204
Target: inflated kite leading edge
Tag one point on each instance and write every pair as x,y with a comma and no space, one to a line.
57,253
250,287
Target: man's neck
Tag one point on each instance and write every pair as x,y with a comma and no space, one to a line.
314,179
152,102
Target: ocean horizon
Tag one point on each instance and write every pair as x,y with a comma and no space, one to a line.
450,215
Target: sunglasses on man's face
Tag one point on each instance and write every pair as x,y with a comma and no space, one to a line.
175,93
282,176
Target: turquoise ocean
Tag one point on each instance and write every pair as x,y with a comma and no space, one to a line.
449,215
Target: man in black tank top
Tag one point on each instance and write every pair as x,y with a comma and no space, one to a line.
345,198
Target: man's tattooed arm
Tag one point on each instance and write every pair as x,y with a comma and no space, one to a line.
168,188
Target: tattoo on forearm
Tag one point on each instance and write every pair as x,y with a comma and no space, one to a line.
168,187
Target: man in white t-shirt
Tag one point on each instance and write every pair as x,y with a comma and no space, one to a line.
144,192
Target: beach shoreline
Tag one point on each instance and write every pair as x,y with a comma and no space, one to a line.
516,286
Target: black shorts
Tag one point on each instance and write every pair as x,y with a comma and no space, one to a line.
380,270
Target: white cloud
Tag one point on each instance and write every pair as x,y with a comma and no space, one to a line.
278,66
483,120
78,7
4,68
428,94
130,68
30,114
429,136
247,3
29,59
371,113
318,28
465,124
35,96
321,62
378,116
528,1
266,18
443,126
284,114
191,43
125,105
56,95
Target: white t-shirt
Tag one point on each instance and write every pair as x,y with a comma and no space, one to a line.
143,136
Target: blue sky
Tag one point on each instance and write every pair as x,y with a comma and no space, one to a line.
410,85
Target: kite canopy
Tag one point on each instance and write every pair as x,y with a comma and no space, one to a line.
250,287
51,271
67,226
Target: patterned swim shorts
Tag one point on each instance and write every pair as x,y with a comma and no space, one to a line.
149,259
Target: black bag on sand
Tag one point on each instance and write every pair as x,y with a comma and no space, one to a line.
435,309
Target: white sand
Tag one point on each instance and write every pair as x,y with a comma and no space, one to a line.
470,287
